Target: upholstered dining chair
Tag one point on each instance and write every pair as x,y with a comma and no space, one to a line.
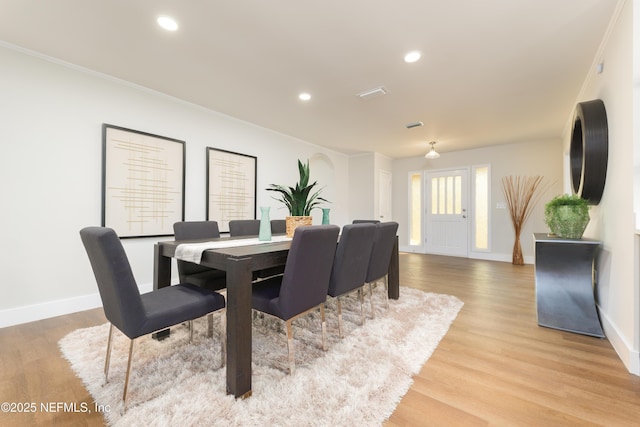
251,227
381,257
130,312
244,227
303,286
190,272
278,226
365,221
350,264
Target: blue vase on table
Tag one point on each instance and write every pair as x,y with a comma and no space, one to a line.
264,234
325,216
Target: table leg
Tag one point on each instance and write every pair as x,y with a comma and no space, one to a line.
393,275
161,269
161,279
239,284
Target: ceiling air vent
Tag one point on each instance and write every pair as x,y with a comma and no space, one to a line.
372,93
414,125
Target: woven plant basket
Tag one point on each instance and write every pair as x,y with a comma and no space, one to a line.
294,222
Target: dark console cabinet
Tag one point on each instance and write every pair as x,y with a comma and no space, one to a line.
564,284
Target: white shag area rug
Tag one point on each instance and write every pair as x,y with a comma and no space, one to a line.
358,381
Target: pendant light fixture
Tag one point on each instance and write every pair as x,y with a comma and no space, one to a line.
432,154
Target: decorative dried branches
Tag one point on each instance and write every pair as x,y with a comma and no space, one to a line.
521,196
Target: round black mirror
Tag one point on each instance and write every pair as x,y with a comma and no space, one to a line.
589,150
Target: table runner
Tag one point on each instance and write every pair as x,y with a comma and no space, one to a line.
192,252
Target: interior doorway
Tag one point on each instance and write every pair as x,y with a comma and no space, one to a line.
384,196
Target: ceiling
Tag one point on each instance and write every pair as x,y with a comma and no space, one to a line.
491,72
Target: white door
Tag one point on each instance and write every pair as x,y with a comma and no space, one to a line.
384,196
447,223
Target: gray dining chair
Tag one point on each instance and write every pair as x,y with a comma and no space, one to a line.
251,227
136,314
378,269
278,226
350,263
303,286
205,277
365,221
244,227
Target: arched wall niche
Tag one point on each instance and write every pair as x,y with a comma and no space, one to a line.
322,170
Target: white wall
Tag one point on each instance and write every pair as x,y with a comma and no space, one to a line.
613,221
361,180
521,159
51,173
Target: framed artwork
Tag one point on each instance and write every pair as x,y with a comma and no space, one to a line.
231,186
143,179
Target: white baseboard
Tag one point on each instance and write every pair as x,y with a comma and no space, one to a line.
45,310
629,356
489,256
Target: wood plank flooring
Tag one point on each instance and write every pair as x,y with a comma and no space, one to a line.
32,370
497,367
494,367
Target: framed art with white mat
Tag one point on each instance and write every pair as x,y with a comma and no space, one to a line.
231,186
143,179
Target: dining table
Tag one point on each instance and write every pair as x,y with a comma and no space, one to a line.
239,260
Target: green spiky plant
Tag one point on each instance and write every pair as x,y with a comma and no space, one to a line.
300,200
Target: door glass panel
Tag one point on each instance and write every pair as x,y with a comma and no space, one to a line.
434,196
415,235
449,195
442,191
458,195
481,208
446,195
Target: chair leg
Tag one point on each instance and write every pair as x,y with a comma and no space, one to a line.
371,299
210,325
292,363
340,318
107,358
126,378
190,331
386,289
361,297
324,328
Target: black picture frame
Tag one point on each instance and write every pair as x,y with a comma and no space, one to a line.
143,182
231,186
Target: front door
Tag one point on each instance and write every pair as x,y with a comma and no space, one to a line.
447,227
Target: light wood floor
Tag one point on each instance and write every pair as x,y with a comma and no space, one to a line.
494,367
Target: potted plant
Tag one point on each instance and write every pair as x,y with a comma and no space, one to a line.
299,200
567,216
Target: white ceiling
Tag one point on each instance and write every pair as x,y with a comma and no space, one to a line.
492,71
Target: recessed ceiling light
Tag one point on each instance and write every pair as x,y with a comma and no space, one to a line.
167,23
412,56
304,97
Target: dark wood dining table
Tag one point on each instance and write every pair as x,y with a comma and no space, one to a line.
239,263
